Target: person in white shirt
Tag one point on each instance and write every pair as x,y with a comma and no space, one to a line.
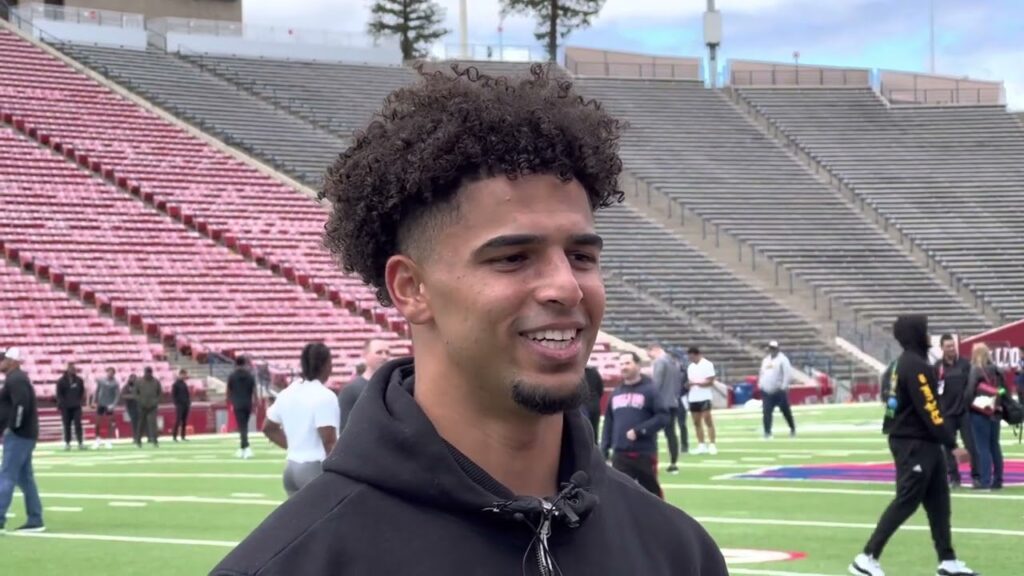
776,374
701,376
304,419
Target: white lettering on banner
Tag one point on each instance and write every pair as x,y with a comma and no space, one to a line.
1006,356
628,400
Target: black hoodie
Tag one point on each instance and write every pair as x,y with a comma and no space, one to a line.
396,499
917,413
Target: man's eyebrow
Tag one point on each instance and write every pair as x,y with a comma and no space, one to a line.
518,240
588,239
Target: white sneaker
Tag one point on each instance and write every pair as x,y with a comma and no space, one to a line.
108,445
954,568
701,449
240,453
247,454
96,445
864,565
712,450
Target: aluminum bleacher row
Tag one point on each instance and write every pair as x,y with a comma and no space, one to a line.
696,147
177,285
951,177
235,116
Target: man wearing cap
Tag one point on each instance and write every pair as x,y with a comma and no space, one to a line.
776,374
19,425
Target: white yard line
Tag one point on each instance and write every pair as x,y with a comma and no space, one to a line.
130,539
754,572
247,495
164,499
841,491
208,475
63,509
850,525
116,504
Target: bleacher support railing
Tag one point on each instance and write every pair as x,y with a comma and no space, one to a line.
74,15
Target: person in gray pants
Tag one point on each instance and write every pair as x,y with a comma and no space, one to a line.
304,419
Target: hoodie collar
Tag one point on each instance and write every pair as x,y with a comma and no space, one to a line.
390,444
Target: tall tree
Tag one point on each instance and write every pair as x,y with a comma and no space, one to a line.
556,19
416,23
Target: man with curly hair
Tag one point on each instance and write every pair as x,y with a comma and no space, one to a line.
468,204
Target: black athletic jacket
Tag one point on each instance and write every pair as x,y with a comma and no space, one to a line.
395,499
918,414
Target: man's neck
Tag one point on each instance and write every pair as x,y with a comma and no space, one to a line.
633,381
519,450
949,360
368,374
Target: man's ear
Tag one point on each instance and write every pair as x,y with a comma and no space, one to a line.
404,280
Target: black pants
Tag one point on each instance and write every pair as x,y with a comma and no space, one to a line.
69,416
674,415
640,467
962,423
133,418
180,419
920,479
242,417
771,400
147,424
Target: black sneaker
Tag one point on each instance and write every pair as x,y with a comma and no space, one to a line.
31,528
673,469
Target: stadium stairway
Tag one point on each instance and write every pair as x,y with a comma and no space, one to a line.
944,181
691,151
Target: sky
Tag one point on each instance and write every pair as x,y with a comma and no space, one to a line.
977,38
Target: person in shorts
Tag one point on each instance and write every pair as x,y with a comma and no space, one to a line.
701,376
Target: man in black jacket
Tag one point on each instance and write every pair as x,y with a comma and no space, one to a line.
242,395
952,371
635,415
469,206
918,438
182,398
19,425
70,397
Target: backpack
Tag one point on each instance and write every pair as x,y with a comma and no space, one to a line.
1013,412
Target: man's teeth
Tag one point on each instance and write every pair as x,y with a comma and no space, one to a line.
556,339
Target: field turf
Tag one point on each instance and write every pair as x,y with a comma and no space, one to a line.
177,510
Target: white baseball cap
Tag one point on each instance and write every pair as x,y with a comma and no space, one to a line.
13,354
773,344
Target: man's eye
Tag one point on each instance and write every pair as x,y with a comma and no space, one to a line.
584,257
511,259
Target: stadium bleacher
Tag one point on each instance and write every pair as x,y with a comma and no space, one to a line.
696,147
234,115
99,242
949,177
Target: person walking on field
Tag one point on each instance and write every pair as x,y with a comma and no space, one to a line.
242,394
952,372
182,398
104,400
668,381
773,380
19,426
131,407
147,393
70,398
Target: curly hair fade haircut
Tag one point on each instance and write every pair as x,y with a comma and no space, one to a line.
449,130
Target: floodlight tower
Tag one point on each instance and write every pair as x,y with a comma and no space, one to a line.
463,30
713,38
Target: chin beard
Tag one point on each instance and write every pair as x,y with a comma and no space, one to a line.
540,400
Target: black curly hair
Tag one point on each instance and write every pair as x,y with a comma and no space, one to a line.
401,174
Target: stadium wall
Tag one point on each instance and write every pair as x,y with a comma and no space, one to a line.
208,9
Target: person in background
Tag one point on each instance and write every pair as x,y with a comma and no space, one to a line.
104,400
701,376
182,397
917,434
19,425
242,394
952,372
147,393
683,418
131,407
304,419
592,407
1020,376
70,398
375,354
985,384
668,382
634,416
773,380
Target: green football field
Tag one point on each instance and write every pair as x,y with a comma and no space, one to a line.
177,510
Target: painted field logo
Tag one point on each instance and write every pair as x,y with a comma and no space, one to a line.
735,556
882,473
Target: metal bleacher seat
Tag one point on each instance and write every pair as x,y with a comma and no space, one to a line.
695,146
948,177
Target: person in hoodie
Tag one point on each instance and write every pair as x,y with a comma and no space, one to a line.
70,398
182,397
635,415
952,371
104,400
468,204
131,407
147,394
668,380
918,438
